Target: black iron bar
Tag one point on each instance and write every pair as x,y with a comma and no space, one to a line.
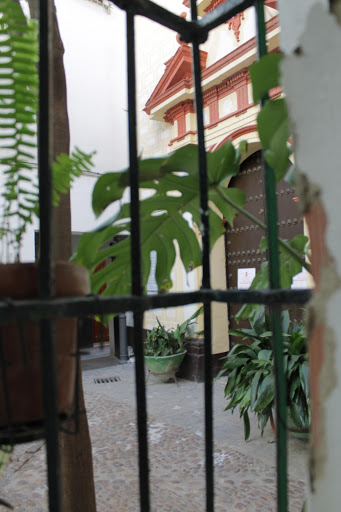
46,308
137,290
46,288
195,30
158,14
275,310
135,239
86,306
206,279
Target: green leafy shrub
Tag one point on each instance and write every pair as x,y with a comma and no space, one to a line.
5,454
250,372
161,342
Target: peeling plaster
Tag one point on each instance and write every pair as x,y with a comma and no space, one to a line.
309,194
292,16
312,82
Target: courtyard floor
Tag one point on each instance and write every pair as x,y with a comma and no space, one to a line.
245,474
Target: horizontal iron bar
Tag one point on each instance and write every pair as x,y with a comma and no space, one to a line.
189,30
13,311
157,13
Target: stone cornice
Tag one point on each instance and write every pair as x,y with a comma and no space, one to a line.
182,108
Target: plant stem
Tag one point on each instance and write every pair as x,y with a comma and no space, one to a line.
263,226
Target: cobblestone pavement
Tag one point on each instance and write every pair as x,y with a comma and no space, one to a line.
245,476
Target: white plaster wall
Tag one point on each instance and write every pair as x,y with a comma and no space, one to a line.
220,339
83,218
155,45
293,17
95,66
312,81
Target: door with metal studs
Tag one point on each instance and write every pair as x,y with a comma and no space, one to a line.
242,252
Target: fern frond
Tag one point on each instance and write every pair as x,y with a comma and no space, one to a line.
18,113
19,84
66,169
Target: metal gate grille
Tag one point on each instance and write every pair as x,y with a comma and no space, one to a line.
194,32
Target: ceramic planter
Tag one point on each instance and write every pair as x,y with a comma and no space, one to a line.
21,410
164,364
296,432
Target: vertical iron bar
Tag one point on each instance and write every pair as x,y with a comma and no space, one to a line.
136,270
275,311
206,280
46,288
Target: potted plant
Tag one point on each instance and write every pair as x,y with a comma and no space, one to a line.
250,373
164,350
21,410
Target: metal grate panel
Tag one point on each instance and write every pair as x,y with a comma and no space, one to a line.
106,380
46,309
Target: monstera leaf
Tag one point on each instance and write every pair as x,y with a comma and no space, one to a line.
169,212
273,120
265,74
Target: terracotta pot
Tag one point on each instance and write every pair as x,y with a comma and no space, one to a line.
23,374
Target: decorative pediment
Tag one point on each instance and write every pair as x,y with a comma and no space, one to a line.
177,85
178,69
272,4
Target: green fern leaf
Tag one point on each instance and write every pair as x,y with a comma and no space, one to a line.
19,105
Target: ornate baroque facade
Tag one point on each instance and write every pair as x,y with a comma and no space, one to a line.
167,119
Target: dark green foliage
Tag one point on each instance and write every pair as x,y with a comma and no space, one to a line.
250,372
265,74
274,132
163,342
273,120
5,453
174,184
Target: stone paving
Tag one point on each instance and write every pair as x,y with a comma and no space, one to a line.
245,476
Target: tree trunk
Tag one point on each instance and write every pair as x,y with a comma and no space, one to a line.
61,144
76,456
